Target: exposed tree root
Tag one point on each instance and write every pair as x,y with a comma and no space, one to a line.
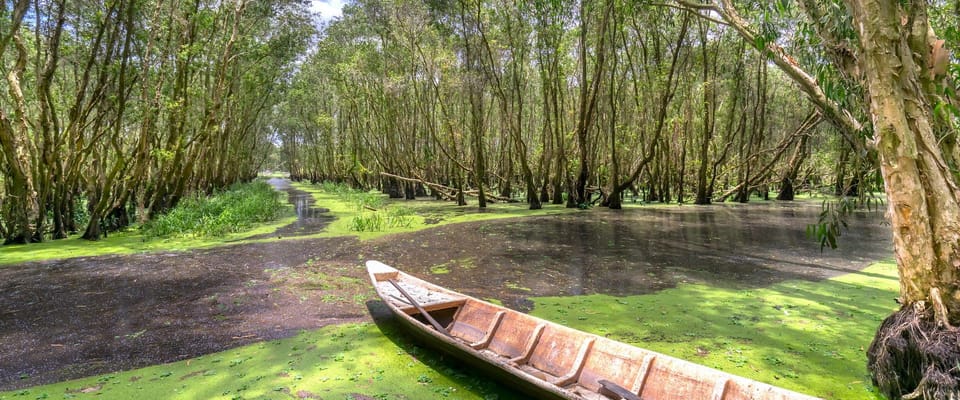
914,357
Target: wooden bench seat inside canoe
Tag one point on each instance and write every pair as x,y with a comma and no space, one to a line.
430,300
559,355
515,337
623,365
475,323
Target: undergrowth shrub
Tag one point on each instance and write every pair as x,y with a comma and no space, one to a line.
373,213
235,209
367,222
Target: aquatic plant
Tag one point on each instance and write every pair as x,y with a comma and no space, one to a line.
232,210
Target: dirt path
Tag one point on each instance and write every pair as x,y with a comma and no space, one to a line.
71,318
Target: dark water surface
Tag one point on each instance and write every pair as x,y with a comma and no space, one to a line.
636,251
310,219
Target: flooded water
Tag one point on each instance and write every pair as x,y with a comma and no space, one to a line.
637,251
310,219
68,318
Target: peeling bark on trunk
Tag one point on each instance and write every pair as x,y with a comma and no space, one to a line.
924,202
923,198
24,202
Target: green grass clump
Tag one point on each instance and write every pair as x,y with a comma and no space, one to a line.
233,210
400,215
359,198
810,337
372,212
378,220
367,222
336,362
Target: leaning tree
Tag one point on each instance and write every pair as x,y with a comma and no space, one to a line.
893,52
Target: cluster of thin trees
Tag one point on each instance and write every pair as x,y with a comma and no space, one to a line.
114,110
613,99
701,98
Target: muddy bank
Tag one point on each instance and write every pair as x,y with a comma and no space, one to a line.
78,317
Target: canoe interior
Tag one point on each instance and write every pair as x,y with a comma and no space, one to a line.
572,363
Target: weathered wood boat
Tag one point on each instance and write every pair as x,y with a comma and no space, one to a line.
548,360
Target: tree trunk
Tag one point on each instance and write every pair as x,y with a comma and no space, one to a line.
913,355
589,93
709,117
800,154
24,203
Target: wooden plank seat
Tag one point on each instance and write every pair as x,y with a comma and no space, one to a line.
475,323
513,339
619,364
617,390
559,355
430,300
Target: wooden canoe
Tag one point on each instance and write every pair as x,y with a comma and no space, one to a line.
548,360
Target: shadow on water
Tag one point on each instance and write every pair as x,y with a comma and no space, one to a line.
636,251
310,219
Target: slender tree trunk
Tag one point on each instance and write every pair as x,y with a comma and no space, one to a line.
709,117
588,97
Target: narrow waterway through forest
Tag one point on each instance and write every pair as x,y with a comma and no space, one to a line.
76,317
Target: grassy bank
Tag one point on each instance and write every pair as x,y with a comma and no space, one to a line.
232,216
806,336
801,335
198,222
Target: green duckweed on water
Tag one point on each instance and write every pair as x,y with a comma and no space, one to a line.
336,362
809,337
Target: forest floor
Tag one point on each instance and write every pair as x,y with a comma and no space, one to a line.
76,317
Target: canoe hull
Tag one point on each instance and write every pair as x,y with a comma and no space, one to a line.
430,339
547,360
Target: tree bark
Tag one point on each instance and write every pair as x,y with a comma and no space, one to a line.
709,115
923,199
589,93
800,153
19,150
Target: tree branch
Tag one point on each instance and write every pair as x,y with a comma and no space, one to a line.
848,126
